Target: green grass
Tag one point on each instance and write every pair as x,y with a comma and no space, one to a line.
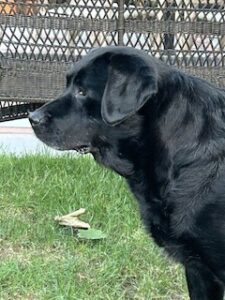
40,260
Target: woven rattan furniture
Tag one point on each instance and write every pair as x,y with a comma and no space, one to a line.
40,39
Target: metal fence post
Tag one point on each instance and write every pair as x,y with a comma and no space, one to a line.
169,16
120,24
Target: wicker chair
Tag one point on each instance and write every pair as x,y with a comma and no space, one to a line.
40,39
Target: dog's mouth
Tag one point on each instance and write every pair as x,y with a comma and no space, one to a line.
83,149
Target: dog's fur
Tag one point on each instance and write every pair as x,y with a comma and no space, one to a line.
164,131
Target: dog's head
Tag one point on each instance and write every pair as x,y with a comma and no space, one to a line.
104,89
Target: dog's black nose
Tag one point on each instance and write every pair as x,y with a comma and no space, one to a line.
38,118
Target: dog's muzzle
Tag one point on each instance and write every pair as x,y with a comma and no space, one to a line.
38,118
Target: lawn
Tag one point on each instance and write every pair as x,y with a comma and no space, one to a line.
40,260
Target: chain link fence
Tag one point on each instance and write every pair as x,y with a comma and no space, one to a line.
40,39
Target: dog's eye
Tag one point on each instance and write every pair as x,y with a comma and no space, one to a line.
81,92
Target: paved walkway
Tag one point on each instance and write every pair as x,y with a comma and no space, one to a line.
17,137
15,130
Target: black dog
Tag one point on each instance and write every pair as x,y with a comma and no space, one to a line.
164,131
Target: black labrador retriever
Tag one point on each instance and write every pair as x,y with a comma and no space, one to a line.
164,131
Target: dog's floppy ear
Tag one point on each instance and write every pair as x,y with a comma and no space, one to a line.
131,83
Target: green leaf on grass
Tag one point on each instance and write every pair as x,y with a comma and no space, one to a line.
91,234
